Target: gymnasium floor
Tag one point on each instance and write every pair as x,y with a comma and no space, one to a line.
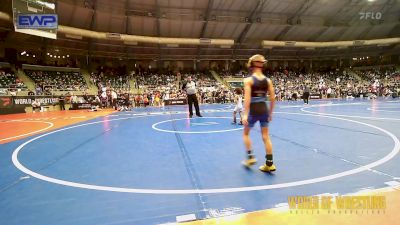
153,165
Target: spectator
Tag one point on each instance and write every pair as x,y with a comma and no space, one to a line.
31,93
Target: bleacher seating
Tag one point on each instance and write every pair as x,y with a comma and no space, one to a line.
111,80
8,80
58,80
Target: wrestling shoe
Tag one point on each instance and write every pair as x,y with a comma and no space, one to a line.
249,162
267,169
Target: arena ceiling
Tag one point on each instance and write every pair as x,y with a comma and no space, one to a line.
248,22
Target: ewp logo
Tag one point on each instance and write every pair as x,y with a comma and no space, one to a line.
36,21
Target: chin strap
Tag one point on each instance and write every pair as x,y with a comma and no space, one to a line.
251,68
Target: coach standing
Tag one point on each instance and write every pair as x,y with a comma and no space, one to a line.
190,88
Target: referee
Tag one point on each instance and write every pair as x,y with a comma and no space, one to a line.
190,87
306,94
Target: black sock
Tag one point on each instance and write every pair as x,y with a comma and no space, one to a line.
268,160
250,154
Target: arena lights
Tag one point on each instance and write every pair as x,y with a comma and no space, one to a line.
25,53
46,4
57,56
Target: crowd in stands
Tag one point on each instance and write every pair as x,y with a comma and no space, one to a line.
290,85
168,86
155,88
228,74
212,91
111,78
9,83
383,81
48,81
153,81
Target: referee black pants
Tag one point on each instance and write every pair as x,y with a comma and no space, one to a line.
306,96
193,99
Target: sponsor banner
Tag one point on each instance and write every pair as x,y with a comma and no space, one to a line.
76,106
6,102
315,96
337,204
35,17
27,100
181,101
37,21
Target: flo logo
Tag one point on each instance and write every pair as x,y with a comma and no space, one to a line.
370,15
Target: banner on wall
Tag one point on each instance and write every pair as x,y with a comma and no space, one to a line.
27,100
6,102
76,106
315,96
180,101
